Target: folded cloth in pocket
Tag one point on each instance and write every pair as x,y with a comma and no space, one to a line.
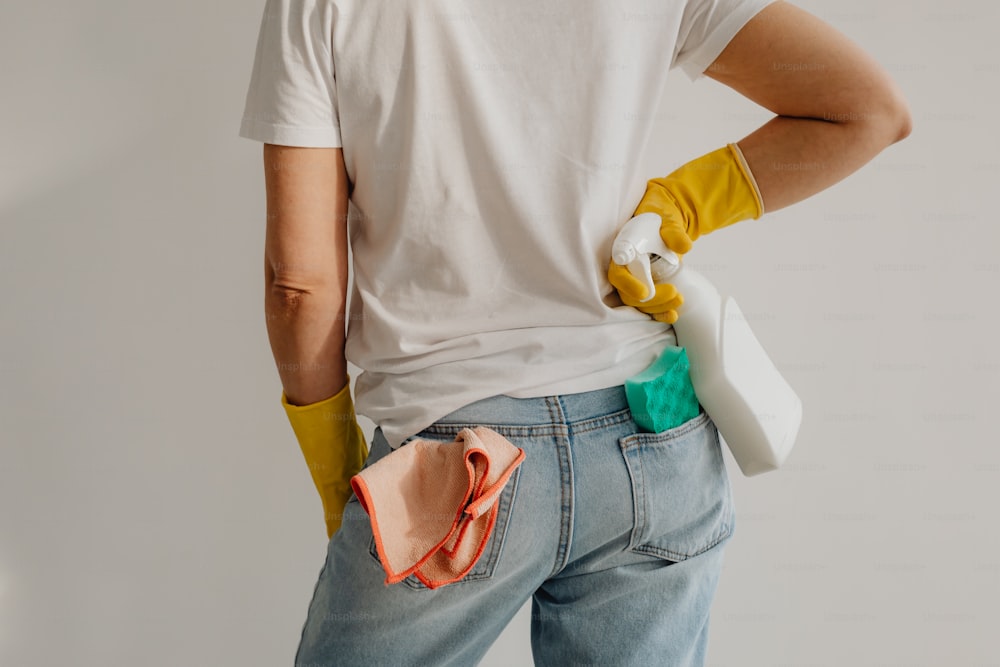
433,505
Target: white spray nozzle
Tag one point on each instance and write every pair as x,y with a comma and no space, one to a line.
639,238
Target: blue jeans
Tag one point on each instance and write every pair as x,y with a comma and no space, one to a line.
616,535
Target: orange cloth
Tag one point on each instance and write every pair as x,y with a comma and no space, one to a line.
433,504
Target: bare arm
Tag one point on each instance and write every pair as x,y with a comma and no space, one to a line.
305,269
837,107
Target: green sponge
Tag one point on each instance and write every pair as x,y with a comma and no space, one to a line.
662,396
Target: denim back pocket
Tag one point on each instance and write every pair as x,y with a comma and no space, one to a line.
682,498
486,565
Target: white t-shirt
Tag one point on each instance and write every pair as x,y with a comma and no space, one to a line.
493,150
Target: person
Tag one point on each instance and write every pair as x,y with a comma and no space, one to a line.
478,159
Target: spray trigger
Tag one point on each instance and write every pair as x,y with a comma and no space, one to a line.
637,240
640,268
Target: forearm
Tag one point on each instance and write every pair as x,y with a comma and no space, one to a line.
305,269
794,158
306,328
836,107
306,332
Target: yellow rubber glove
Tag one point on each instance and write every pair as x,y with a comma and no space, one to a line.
334,448
711,192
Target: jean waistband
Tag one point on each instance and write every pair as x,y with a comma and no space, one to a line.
559,409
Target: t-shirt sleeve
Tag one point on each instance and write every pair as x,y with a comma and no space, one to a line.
706,29
292,96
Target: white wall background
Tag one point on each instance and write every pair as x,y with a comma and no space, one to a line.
154,507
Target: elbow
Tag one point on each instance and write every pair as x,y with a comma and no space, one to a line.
290,301
287,280
292,291
890,124
293,288
284,301
885,117
905,124
901,121
897,113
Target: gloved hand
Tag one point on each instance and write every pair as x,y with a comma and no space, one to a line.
334,448
708,193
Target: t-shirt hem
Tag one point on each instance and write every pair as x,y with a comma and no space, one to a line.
290,135
398,428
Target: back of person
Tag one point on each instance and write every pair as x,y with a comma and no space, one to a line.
494,150
491,152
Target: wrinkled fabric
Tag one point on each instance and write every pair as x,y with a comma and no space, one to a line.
481,139
433,505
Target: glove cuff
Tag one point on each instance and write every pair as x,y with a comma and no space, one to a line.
713,191
306,419
741,162
318,405
333,446
327,430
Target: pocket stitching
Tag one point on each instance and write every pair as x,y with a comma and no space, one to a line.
630,447
666,437
724,532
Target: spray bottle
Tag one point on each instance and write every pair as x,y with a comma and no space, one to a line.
756,411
